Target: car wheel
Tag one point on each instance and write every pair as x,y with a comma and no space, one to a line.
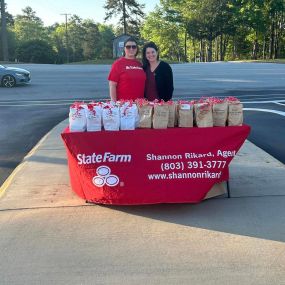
8,81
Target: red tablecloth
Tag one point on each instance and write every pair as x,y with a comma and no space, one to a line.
149,166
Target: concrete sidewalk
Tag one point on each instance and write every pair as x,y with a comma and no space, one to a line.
228,241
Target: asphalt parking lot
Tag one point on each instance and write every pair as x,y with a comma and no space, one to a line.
29,112
51,236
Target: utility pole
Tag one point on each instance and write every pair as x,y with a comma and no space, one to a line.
4,32
124,17
66,36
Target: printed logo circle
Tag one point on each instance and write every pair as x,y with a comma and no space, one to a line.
103,170
98,181
112,180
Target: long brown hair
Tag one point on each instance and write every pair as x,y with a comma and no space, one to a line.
145,62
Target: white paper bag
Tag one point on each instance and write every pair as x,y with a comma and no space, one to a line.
94,117
111,118
77,118
128,116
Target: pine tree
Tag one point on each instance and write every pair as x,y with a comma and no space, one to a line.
4,32
130,12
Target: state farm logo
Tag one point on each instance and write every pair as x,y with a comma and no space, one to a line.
104,176
133,67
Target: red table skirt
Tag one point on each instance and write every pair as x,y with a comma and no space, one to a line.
149,166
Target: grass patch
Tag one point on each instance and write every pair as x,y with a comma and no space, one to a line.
97,61
281,61
110,61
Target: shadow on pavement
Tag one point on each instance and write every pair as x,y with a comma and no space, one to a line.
259,217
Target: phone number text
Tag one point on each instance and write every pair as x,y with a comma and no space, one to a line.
209,164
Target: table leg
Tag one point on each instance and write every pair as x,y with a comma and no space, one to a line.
228,189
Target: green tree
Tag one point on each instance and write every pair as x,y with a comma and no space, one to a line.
73,43
91,47
275,16
10,37
76,33
166,34
57,35
177,12
87,40
4,39
208,20
106,41
9,17
129,11
29,27
261,27
36,51
252,14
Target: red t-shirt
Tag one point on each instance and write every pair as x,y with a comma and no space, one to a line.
130,78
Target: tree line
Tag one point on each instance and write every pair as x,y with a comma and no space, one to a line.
211,30
184,30
30,41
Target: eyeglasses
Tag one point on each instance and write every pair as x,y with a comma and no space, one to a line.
132,46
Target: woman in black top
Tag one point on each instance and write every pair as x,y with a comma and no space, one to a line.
159,78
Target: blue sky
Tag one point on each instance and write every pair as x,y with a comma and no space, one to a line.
49,10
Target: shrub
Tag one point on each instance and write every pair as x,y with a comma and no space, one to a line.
36,51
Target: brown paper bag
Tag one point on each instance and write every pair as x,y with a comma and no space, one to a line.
172,114
220,114
176,114
160,116
235,116
145,116
203,115
185,115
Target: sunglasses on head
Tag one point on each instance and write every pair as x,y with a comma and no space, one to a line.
131,46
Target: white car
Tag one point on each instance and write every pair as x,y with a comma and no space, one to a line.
11,76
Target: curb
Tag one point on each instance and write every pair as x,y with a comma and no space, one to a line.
11,177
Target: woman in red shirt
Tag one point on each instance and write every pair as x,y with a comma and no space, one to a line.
127,77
